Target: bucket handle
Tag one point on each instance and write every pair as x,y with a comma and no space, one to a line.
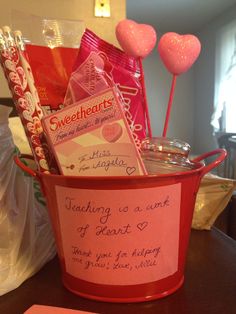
25,168
222,154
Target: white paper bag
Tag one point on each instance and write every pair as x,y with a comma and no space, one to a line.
26,239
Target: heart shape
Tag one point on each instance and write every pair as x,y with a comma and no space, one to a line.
30,102
130,170
18,90
10,65
38,125
35,140
137,40
14,77
39,152
178,52
142,225
31,128
22,77
112,132
22,103
35,127
27,115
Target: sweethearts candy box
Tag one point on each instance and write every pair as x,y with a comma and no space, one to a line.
93,138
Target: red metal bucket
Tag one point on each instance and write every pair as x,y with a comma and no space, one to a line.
123,239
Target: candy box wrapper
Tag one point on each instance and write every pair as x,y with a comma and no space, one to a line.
93,138
100,65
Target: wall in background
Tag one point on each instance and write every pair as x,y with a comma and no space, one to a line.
65,9
194,95
204,83
158,83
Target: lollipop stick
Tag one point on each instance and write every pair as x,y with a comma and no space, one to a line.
169,105
145,100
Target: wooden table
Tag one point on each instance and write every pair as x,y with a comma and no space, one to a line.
210,285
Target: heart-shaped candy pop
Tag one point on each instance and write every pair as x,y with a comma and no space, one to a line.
136,40
178,52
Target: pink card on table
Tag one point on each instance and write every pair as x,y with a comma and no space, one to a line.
93,138
43,309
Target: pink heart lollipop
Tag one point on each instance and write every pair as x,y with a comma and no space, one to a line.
178,52
137,40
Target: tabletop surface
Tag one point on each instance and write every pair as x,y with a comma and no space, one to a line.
209,287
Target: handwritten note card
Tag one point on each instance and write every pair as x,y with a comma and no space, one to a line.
93,138
120,237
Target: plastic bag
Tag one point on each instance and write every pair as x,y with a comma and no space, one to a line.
47,31
51,49
18,133
26,239
213,196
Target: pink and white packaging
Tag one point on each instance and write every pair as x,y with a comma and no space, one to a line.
100,65
92,138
